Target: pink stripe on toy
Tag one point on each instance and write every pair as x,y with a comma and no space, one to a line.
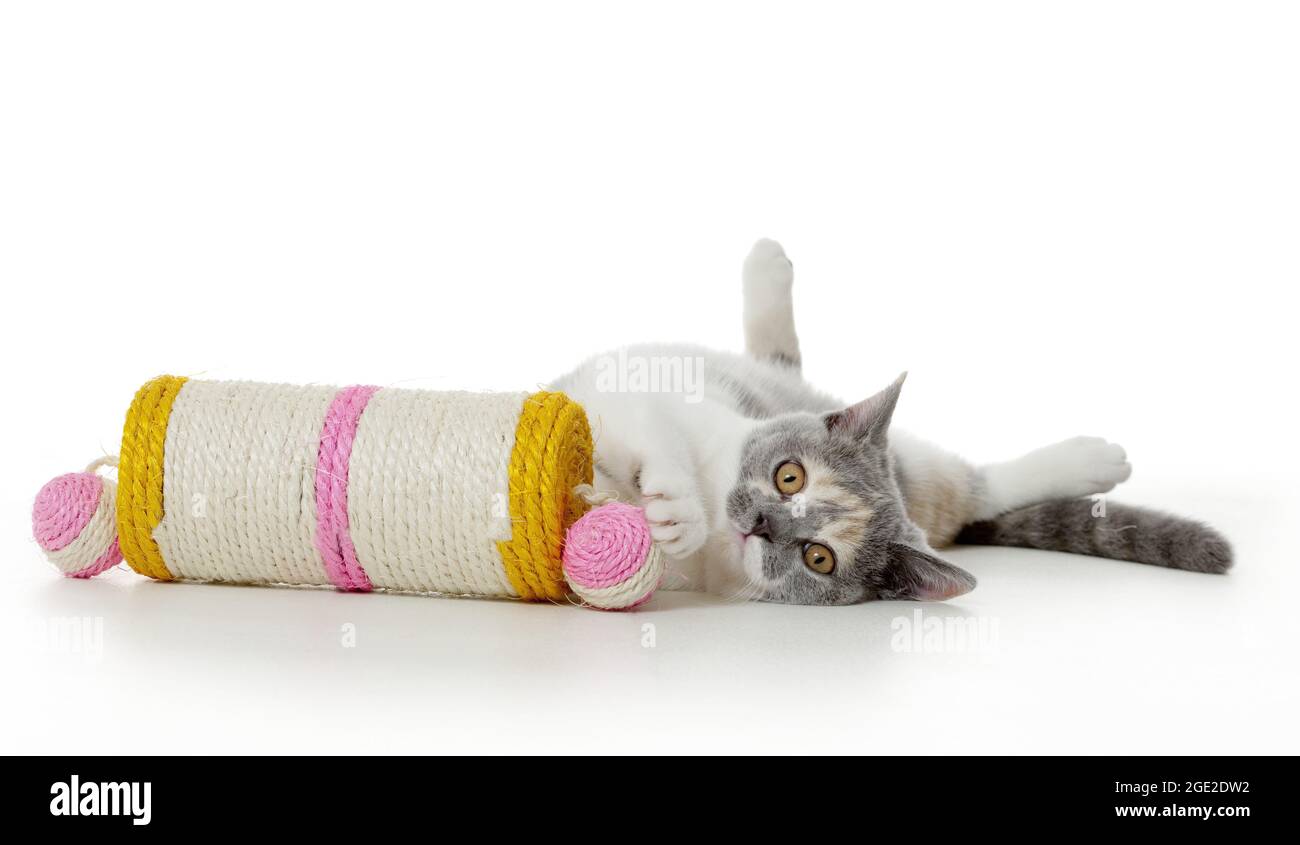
333,536
64,507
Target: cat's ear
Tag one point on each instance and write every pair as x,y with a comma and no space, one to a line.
868,420
919,576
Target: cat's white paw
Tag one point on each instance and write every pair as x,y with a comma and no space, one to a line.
677,522
769,305
768,274
1081,466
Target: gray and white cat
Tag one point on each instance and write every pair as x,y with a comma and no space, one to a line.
760,486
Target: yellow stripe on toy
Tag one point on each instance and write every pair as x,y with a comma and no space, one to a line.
551,456
140,475
360,487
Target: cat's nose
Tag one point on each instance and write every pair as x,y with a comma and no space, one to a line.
761,528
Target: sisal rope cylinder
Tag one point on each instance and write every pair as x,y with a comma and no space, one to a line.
360,488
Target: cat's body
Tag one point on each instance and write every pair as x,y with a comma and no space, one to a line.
754,482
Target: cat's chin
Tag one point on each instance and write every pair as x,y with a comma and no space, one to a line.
751,558
735,565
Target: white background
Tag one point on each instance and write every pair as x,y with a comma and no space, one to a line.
1061,218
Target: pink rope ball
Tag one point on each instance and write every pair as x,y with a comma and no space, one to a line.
610,560
74,521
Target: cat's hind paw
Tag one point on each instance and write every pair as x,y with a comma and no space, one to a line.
769,307
1082,466
768,273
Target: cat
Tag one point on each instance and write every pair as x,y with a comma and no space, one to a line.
756,485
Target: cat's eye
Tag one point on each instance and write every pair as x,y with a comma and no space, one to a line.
789,478
818,558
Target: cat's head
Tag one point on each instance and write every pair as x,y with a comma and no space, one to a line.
819,516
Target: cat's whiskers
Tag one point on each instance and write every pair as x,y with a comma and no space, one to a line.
746,592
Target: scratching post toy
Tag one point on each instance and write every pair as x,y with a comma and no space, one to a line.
361,488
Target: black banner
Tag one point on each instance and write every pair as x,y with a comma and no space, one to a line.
231,794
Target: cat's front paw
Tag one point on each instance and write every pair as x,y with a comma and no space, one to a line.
677,522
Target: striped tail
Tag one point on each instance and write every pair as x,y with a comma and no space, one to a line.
1125,532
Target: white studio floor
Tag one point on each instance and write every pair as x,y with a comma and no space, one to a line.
1075,655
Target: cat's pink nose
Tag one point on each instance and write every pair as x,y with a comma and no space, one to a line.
761,528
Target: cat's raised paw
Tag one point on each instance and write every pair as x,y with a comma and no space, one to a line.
767,268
